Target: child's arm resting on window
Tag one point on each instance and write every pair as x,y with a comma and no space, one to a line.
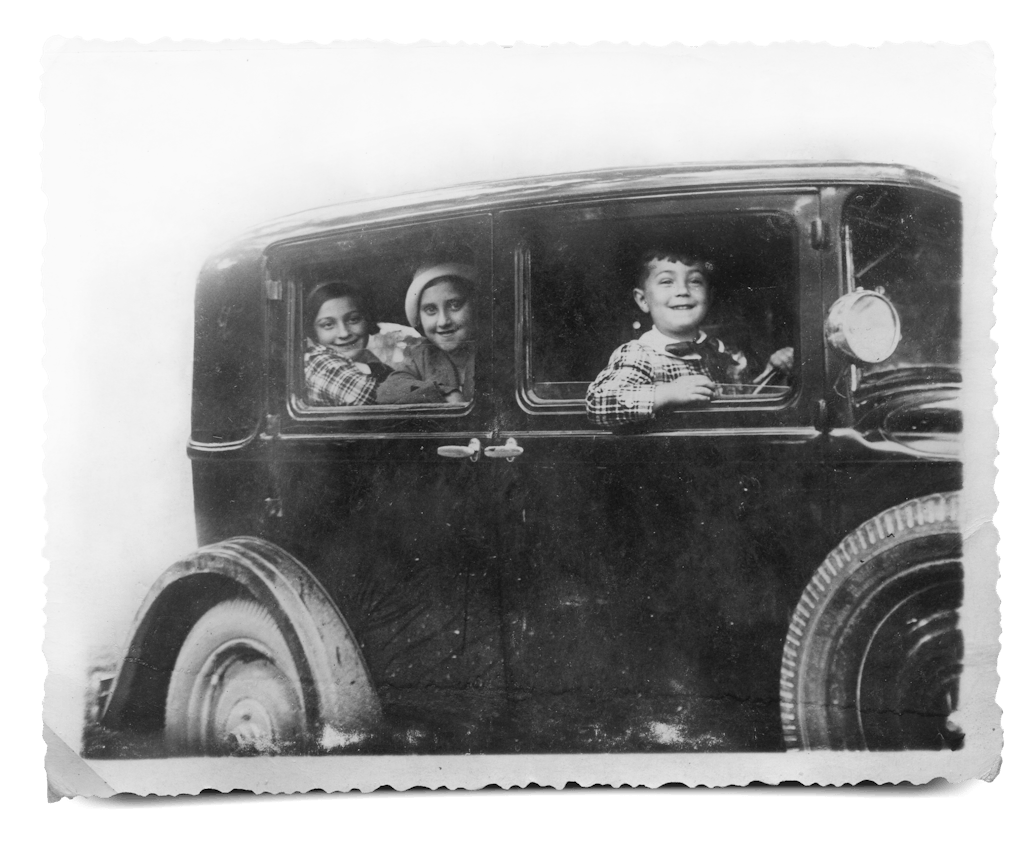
402,387
625,392
335,382
688,390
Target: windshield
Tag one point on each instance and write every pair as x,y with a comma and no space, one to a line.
906,243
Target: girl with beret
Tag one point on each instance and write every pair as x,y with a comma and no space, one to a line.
439,303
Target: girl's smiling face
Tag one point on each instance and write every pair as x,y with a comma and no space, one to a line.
446,315
341,325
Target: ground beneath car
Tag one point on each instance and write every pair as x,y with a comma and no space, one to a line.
432,722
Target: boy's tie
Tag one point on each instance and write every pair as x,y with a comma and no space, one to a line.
711,363
682,349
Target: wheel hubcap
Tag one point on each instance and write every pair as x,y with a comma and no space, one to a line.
909,676
247,704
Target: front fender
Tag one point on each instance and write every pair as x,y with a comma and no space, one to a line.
336,682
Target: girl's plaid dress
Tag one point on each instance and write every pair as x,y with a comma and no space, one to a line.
334,380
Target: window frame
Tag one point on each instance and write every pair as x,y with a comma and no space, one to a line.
743,202
299,418
848,281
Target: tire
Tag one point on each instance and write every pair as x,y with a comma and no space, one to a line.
235,688
873,654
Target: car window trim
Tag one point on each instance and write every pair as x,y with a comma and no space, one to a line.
300,413
525,395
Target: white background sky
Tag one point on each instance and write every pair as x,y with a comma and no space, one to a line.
155,158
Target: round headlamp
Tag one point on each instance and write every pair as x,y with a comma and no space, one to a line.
864,326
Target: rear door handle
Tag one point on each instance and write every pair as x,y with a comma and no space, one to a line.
509,450
469,451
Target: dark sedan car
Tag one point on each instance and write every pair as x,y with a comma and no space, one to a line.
482,568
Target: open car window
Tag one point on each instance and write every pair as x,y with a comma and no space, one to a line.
352,346
580,269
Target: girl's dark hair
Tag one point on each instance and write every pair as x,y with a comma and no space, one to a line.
674,255
328,291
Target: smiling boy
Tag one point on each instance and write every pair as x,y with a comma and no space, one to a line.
675,364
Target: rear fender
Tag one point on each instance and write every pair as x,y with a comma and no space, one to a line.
336,683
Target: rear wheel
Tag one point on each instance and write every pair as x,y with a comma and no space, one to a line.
873,654
235,687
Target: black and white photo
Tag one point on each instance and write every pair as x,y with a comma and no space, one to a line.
520,408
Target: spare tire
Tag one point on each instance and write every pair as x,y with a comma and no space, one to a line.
873,654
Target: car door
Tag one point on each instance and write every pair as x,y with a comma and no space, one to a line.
387,504
650,571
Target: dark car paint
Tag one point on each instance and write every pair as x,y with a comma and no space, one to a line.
615,566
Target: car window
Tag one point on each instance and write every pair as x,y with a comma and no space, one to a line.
358,343
580,269
906,244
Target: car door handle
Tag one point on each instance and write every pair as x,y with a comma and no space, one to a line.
509,450
469,451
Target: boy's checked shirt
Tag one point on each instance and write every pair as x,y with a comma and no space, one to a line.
623,393
334,380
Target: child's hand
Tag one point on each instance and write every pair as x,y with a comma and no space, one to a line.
454,397
782,360
688,390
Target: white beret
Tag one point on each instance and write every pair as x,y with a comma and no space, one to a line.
425,276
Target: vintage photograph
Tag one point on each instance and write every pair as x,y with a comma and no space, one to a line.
605,408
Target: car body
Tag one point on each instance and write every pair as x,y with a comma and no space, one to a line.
741,576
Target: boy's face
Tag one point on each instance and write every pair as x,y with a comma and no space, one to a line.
446,315
676,296
341,325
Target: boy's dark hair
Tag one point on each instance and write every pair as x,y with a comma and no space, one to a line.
690,258
328,291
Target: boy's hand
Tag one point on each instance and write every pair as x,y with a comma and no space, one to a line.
688,390
454,397
782,360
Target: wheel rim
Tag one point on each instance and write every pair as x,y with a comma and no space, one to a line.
873,654
908,682
244,702
897,664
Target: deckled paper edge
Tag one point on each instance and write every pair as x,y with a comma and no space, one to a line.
68,774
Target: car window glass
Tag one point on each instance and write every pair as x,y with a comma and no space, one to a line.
357,346
906,244
581,272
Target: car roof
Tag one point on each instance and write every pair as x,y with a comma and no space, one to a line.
574,186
